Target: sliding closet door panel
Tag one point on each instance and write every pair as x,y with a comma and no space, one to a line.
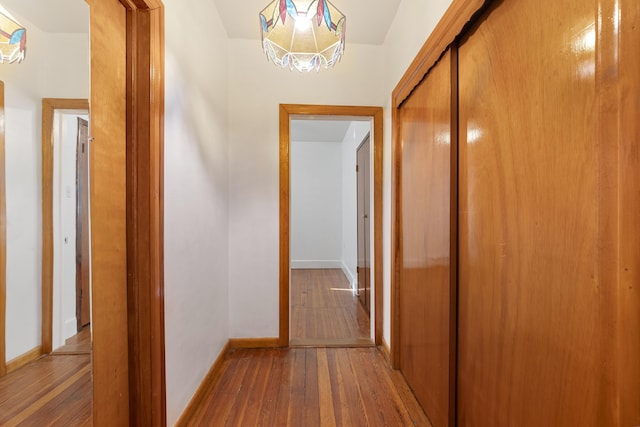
424,289
545,323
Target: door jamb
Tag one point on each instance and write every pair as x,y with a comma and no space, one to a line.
286,111
49,107
130,387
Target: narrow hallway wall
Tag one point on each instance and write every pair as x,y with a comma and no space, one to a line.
196,197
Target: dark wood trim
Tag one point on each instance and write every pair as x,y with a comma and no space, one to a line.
453,243
286,111
49,105
127,213
204,390
377,226
455,19
396,237
3,241
284,327
23,359
254,343
385,350
145,272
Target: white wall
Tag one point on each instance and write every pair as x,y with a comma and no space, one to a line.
352,139
195,198
316,204
57,65
256,88
64,229
412,25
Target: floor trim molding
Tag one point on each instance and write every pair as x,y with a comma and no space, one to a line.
206,386
23,359
254,343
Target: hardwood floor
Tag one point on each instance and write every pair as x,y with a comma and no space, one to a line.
77,344
309,387
54,390
324,310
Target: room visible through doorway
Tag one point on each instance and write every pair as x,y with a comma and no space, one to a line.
330,288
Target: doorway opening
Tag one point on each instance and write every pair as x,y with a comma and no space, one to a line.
326,297
65,259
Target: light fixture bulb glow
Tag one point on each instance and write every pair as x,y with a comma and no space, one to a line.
303,23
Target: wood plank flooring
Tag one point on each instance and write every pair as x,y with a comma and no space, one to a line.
309,387
54,390
324,310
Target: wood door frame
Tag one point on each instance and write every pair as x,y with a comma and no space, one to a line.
367,138
129,385
286,111
82,229
49,107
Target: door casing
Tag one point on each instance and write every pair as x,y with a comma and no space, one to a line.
327,111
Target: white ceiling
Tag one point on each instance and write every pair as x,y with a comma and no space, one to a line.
367,20
53,16
318,130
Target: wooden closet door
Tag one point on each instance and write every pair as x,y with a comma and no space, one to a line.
549,216
425,130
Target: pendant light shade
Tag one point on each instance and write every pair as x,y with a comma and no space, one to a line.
303,34
13,38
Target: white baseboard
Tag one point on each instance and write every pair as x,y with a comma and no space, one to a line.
315,264
351,276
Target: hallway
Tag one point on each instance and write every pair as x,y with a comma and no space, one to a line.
308,387
325,311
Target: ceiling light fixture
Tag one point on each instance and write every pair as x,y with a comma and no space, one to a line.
13,38
303,34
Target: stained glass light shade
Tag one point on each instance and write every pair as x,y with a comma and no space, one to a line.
13,38
303,34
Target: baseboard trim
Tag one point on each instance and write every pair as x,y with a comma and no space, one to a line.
23,359
386,350
332,342
254,343
206,386
316,264
351,277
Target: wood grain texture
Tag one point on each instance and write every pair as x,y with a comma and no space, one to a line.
425,290
254,343
77,344
458,16
285,218
108,212
145,271
24,359
310,387
286,111
127,42
549,331
623,93
52,391
325,310
49,107
3,239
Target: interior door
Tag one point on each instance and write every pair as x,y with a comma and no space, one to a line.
83,309
425,289
549,257
364,263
